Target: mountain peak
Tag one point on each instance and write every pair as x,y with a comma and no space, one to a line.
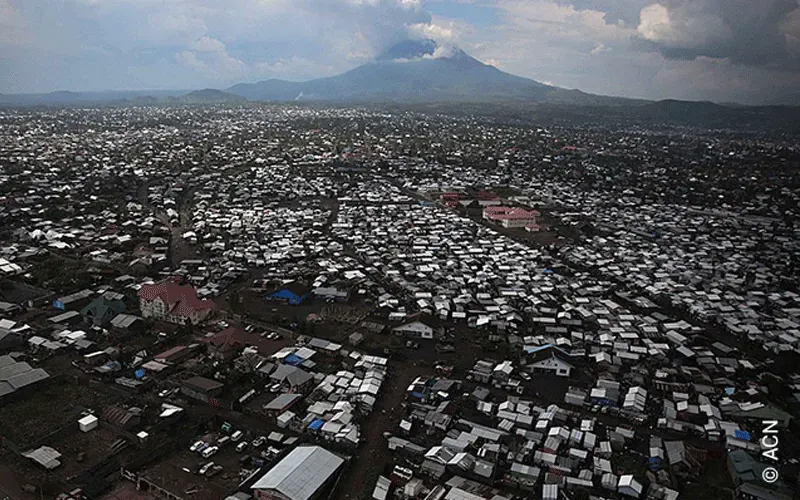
418,49
409,49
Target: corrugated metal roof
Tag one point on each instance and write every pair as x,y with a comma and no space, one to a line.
12,370
27,378
45,456
459,494
5,389
14,375
301,473
6,360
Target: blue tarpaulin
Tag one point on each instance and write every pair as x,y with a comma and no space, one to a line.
740,434
604,402
139,374
293,359
316,424
289,296
417,395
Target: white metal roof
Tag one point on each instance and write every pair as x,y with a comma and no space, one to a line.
301,473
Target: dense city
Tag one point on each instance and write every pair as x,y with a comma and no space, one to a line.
293,302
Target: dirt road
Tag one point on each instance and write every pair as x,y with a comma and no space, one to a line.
373,455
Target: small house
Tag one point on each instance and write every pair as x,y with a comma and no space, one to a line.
101,311
417,329
550,359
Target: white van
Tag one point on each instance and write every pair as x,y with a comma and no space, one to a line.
208,452
237,436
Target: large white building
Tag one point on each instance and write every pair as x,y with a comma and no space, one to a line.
303,474
415,329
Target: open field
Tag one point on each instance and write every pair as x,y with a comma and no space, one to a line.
51,405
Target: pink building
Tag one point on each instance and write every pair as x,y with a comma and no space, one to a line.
512,217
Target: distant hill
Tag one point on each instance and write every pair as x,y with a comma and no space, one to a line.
408,72
68,98
121,98
209,96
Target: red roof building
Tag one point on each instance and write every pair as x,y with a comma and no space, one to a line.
174,303
511,216
487,198
229,341
174,354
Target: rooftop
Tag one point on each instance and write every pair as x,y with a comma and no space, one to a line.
301,473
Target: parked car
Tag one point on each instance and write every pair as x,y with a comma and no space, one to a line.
237,436
209,452
241,446
205,468
196,446
260,440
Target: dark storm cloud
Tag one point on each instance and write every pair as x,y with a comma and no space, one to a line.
748,32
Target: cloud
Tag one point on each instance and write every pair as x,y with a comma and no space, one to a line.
11,24
599,49
625,12
753,33
580,44
211,56
442,30
376,24
722,80
541,38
